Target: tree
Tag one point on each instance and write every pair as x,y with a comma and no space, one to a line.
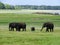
9,6
2,6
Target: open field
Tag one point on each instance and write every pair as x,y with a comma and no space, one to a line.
29,19
29,38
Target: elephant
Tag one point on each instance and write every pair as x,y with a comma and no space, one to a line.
49,26
32,28
17,26
20,26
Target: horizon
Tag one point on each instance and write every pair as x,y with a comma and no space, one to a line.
32,2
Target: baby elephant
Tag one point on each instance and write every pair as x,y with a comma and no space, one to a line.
32,28
49,26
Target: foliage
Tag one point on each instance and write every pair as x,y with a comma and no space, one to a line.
6,6
2,6
9,6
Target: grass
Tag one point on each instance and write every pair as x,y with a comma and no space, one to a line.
29,38
34,19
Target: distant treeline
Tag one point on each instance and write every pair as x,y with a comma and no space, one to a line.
42,7
33,7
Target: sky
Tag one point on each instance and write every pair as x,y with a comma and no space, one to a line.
32,2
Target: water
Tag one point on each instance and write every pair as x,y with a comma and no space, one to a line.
29,11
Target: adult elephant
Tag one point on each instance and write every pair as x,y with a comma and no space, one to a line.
20,26
49,26
17,26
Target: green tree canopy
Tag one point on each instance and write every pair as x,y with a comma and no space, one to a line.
2,6
9,6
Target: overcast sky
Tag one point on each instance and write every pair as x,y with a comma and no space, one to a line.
32,2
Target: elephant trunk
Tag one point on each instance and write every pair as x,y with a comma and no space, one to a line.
42,28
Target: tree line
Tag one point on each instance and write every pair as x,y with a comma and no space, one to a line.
42,7
33,7
6,6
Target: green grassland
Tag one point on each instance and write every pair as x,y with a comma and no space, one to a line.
29,18
29,38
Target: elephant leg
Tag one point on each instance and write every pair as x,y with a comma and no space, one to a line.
23,29
47,30
12,29
17,29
